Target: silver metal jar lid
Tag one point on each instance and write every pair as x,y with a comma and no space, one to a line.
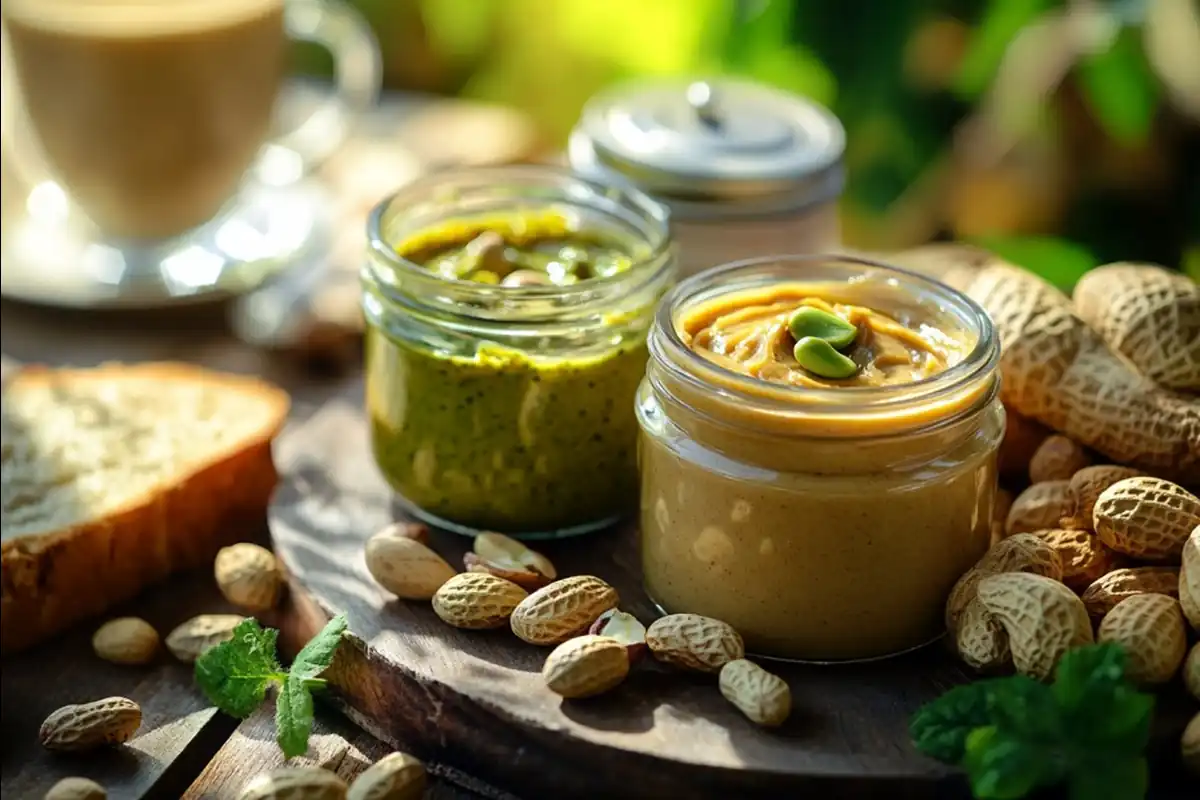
722,139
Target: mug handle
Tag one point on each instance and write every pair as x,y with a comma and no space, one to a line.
358,74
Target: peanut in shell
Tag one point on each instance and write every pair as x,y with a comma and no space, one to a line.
477,601
1150,629
1060,372
295,783
1085,488
1022,552
404,566
1103,594
396,776
1146,518
694,642
248,576
126,640
87,726
1149,314
1189,579
763,697
586,666
1043,618
1040,507
76,789
1057,459
562,610
1083,556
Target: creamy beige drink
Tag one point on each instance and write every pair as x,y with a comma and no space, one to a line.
148,111
825,516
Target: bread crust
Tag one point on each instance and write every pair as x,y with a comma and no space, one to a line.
50,581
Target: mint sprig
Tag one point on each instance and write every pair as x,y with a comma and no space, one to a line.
235,676
1014,735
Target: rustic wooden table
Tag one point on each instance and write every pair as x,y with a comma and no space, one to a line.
185,749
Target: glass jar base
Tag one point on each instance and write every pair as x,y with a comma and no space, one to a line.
823,662
467,530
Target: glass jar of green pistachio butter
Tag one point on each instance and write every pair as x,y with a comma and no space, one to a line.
506,319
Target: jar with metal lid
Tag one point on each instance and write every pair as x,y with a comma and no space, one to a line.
500,368
747,170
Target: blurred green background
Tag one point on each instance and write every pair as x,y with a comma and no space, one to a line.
1060,133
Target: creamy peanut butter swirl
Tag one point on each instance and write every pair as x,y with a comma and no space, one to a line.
747,333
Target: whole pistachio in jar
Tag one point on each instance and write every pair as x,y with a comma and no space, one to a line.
747,170
507,312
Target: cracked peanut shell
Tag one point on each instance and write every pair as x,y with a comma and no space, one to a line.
981,641
1022,552
1043,618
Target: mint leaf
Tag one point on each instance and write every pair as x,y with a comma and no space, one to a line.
1021,706
1100,708
293,717
1086,671
940,727
294,703
1118,723
317,655
1001,766
1014,735
1124,778
234,675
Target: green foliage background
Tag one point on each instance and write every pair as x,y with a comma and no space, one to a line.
1100,167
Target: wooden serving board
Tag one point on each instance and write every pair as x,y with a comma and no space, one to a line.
475,700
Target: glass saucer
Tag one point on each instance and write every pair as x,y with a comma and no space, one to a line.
50,254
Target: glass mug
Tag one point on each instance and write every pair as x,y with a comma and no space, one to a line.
151,114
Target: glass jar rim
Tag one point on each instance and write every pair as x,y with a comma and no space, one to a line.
577,191
671,353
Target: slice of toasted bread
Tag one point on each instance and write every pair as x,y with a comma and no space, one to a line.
115,477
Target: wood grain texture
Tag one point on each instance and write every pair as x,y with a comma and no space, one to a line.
335,745
477,700
178,725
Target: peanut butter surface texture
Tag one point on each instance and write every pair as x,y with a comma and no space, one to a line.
746,332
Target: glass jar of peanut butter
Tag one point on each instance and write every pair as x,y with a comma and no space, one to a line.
747,170
818,453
